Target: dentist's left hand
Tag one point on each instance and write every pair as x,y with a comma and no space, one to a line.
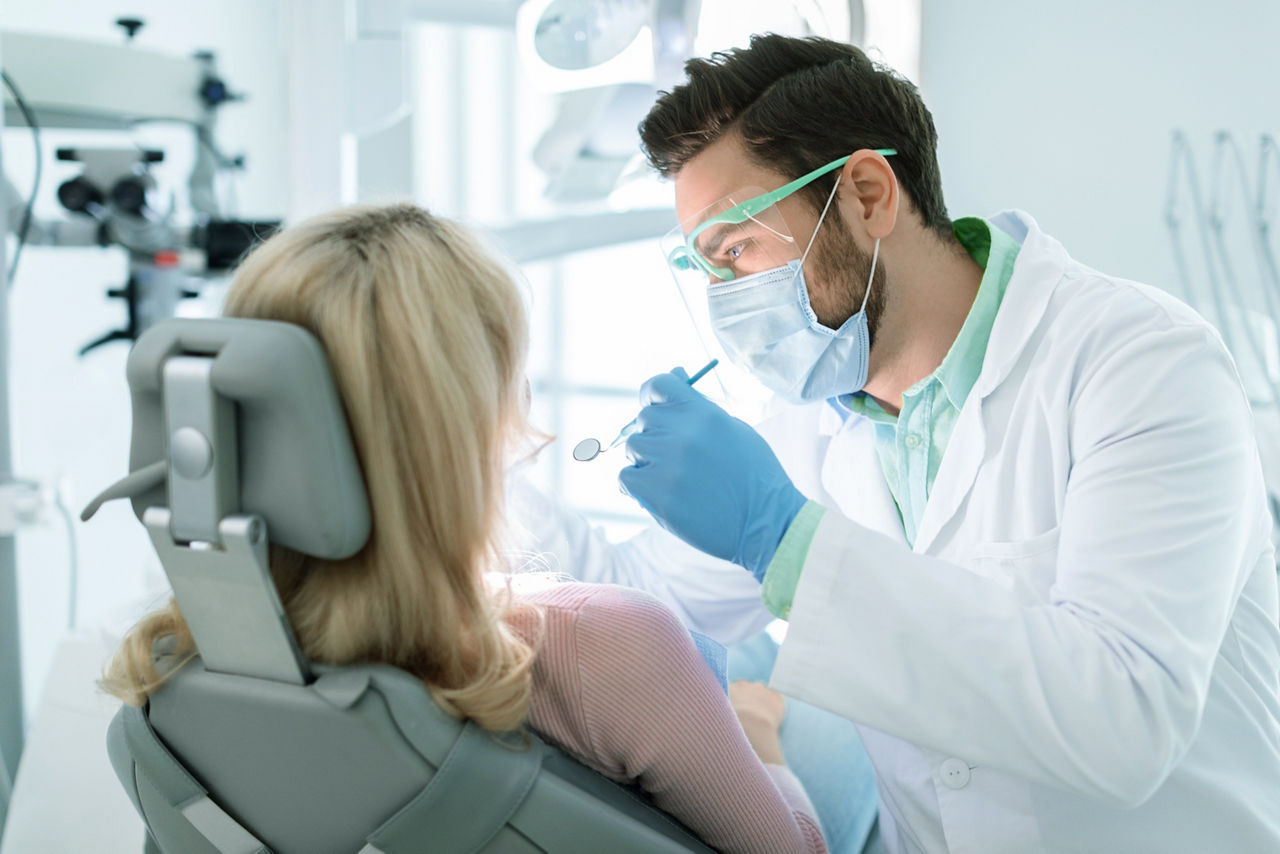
708,477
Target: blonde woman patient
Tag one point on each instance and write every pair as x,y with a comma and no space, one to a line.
426,337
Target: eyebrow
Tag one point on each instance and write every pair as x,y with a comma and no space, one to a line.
720,235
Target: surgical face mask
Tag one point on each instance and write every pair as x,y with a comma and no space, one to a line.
765,323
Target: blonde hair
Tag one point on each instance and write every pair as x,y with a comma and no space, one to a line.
426,338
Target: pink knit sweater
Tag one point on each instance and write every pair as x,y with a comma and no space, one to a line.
619,685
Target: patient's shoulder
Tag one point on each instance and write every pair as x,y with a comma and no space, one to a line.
579,596
600,647
622,613
605,632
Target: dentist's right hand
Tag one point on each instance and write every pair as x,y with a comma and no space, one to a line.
708,477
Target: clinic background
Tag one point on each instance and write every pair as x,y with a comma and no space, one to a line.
1064,109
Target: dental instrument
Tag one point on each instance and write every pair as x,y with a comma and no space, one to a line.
588,449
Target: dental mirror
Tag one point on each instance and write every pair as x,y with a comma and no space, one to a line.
586,450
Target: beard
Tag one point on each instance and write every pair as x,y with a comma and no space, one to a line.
839,281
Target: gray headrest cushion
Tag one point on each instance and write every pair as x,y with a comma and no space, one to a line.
298,469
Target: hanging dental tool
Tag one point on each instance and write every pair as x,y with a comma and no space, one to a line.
1259,326
1265,209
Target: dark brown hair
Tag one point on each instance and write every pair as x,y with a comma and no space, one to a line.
799,104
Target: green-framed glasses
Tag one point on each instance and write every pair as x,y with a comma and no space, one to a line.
733,238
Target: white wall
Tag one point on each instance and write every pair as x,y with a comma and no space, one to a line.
1064,109
70,416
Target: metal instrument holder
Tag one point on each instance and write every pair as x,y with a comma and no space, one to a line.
1266,206
1225,155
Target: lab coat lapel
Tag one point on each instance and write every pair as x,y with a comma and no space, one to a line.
956,474
851,475
1036,274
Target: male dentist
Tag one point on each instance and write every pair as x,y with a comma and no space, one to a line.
1013,509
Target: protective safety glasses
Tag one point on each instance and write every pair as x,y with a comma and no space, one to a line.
741,234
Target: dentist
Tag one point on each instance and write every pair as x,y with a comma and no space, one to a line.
1013,508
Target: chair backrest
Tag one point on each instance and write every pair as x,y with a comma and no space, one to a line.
239,440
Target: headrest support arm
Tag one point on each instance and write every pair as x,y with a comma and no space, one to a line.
228,599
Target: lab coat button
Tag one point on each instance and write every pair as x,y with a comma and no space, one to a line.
955,773
913,441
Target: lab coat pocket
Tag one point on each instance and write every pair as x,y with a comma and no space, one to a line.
1028,567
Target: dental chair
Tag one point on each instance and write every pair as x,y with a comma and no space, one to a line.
239,441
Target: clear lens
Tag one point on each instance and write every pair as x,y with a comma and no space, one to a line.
728,240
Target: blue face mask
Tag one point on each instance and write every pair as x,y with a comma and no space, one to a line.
765,323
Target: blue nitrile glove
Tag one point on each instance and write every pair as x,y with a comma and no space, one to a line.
708,477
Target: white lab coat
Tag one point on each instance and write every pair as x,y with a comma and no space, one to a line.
1081,653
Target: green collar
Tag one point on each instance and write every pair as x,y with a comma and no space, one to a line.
995,252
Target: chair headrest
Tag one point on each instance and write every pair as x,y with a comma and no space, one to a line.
297,467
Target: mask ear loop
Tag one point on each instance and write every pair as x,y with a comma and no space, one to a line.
875,254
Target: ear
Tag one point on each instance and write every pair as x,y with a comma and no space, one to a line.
869,193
